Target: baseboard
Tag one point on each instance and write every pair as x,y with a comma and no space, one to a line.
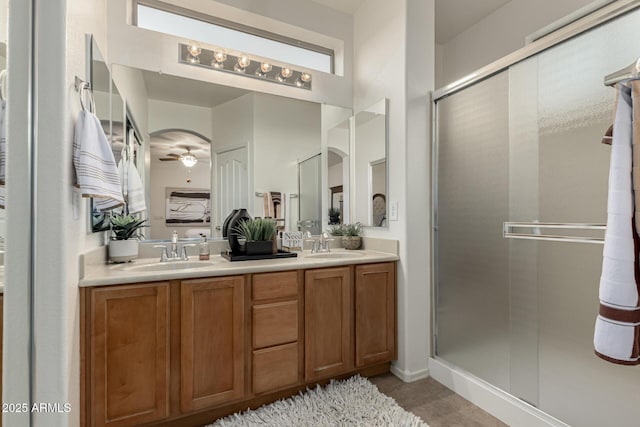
498,403
409,377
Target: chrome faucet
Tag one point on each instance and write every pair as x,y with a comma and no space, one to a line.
170,252
322,245
174,245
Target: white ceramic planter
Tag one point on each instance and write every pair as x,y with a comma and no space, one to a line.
123,250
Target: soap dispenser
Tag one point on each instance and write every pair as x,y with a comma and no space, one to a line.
204,248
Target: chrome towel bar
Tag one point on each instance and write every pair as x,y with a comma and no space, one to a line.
509,233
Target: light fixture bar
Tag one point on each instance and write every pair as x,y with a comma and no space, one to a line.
220,60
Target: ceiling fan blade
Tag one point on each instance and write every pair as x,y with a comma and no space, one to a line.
177,156
168,159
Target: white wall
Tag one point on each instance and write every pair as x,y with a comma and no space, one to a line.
232,123
394,58
334,176
171,115
499,34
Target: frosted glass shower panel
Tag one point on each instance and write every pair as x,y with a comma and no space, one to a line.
574,110
473,194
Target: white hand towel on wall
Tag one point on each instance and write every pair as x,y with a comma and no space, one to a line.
616,337
96,171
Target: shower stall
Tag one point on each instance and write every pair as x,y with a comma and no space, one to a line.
520,205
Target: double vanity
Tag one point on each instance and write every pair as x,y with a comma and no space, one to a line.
184,343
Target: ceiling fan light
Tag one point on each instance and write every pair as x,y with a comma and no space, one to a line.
189,160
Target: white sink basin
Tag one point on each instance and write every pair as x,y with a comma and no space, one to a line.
336,255
168,266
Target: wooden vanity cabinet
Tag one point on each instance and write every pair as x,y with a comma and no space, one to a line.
276,329
184,352
328,296
212,343
128,354
375,313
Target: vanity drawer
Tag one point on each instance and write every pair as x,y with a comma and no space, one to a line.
275,323
275,285
275,367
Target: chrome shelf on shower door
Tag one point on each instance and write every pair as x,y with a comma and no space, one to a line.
536,233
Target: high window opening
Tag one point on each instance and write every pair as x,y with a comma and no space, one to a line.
165,18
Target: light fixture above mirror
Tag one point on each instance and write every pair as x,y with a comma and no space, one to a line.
218,59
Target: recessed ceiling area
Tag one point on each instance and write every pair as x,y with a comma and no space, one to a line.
163,87
455,16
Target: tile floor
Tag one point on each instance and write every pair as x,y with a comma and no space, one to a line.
434,403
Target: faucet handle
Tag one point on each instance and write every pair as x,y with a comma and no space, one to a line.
164,257
183,254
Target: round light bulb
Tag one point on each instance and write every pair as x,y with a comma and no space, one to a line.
286,72
305,77
243,61
194,49
219,55
265,67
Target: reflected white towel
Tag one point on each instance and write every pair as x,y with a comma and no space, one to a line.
617,325
132,189
96,171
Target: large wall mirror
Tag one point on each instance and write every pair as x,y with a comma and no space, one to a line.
215,148
369,162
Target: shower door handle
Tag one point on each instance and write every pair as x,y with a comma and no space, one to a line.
510,231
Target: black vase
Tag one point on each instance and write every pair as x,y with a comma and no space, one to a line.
237,248
225,224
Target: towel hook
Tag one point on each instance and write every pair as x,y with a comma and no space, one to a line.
85,90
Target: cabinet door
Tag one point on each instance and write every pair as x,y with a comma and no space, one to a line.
327,326
375,294
212,342
129,354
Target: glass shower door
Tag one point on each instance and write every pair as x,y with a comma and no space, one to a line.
521,208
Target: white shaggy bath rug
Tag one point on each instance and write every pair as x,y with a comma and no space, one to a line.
351,402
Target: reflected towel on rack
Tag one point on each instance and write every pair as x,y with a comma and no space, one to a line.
617,329
96,172
274,207
132,188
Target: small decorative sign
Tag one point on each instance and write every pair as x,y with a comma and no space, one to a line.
292,240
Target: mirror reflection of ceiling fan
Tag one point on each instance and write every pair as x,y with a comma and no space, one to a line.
187,159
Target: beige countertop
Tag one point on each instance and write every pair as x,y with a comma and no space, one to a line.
150,270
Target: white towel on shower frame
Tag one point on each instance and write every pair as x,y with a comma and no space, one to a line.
618,323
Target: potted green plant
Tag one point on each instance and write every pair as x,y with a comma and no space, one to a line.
334,216
351,235
337,230
258,235
125,233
